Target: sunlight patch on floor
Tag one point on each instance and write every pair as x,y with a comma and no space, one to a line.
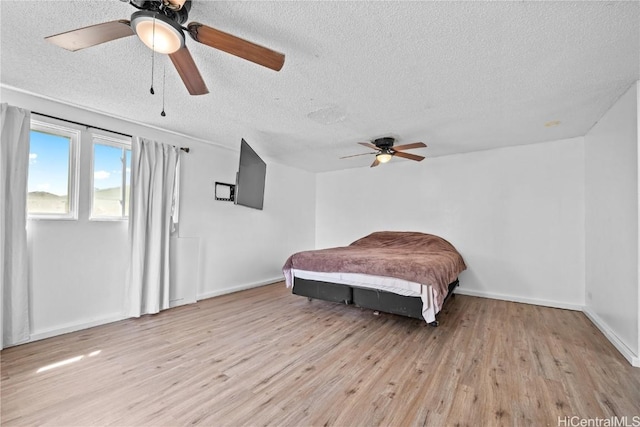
67,361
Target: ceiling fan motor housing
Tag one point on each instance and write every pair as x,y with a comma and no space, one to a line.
180,15
384,143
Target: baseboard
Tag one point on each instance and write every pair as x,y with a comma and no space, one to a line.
238,288
626,352
545,303
73,327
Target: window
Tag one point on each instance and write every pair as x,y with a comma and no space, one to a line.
52,185
111,171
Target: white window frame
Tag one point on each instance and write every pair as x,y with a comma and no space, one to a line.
74,169
124,144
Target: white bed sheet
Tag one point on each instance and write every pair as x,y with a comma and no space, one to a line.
389,284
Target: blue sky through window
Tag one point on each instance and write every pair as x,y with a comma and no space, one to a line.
107,168
49,163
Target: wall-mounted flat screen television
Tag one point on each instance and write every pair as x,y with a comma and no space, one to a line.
250,178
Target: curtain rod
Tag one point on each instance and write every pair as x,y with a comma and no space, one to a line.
185,149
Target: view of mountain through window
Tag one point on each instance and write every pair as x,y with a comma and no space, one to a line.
111,166
48,186
55,176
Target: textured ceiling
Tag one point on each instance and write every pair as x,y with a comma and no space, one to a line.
459,76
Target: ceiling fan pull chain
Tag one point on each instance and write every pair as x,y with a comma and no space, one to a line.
153,52
164,75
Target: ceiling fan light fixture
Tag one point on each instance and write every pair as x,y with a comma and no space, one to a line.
157,31
384,157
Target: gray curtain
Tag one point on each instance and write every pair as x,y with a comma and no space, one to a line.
14,166
153,196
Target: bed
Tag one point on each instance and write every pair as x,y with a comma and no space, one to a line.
399,272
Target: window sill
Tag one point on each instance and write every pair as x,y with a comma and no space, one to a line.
107,219
51,218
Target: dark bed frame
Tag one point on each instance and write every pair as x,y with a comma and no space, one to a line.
373,299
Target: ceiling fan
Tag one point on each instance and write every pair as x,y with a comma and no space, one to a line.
384,150
158,23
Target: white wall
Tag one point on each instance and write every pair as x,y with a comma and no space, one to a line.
78,267
516,215
241,246
611,200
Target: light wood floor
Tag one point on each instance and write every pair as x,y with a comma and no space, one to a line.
266,357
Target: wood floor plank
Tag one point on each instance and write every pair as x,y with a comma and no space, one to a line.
267,357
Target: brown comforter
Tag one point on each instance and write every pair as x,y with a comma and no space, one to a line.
416,257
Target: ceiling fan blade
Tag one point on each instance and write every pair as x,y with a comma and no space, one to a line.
188,71
92,35
408,156
375,163
356,155
236,46
410,146
366,144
